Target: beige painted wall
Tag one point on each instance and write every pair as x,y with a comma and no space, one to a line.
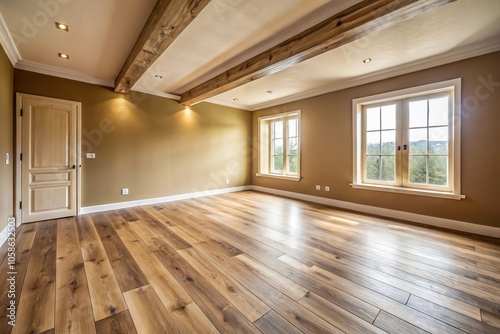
327,144
151,145
6,139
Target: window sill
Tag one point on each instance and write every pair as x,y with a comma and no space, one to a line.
281,177
407,191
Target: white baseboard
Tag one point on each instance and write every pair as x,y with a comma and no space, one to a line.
413,217
4,234
149,201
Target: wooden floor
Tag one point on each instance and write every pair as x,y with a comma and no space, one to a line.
248,263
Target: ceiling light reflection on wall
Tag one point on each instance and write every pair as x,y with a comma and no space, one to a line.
62,26
63,55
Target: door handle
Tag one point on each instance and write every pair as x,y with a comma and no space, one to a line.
74,167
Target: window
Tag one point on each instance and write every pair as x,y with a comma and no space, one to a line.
279,146
409,141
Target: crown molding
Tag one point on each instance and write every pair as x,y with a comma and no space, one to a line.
61,73
8,44
145,90
470,51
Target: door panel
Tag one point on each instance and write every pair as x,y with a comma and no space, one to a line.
49,146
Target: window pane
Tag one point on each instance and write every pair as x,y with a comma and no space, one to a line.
418,169
293,164
373,119
278,164
438,171
389,117
418,141
438,111
277,147
418,114
293,146
438,141
388,168
292,127
278,129
373,143
388,142
373,168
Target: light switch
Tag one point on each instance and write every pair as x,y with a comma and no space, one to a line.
90,155
7,158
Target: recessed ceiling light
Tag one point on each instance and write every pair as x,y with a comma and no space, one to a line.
235,99
62,26
269,92
367,60
122,90
158,76
63,55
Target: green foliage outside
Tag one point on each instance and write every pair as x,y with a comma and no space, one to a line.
434,167
292,156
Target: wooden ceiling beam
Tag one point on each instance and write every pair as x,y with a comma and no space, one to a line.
166,22
347,26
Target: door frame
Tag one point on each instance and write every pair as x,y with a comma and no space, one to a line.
19,136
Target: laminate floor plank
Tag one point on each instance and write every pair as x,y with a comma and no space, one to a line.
280,282
119,323
382,302
325,260
24,244
337,316
464,323
73,306
148,213
105,293
148,313
185,313
249,262
249,305
173,239
296,314
37,302
273,323
128,274
490,319
223,315
394,325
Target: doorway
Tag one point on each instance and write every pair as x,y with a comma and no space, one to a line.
48,158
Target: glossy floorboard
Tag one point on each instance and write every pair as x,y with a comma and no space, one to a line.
248,263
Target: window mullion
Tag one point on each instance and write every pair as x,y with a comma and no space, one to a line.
271,147
285,147
405,138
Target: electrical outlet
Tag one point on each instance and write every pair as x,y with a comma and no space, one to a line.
90,155
327,188
125,191
318,187
7,158
227,181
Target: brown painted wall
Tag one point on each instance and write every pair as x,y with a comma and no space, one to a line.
6,139
151,145
327,144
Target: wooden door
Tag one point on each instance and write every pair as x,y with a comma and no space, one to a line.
49,158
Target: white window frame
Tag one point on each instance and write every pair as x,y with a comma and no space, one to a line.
265,151
453,191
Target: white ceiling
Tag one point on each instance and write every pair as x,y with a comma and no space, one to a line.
228,32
